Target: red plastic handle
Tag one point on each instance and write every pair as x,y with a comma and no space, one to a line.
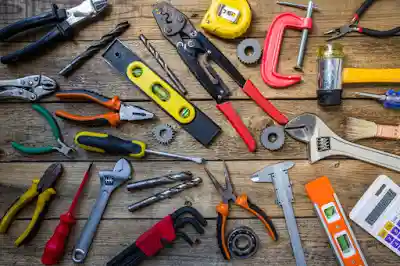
272,47
54,248
266,105
227,109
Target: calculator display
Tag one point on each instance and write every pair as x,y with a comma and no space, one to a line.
380,207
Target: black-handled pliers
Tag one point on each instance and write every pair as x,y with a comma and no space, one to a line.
63,19
354,27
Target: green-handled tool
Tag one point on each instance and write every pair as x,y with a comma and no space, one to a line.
105,143
64,149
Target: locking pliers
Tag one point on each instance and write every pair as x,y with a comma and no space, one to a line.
30,88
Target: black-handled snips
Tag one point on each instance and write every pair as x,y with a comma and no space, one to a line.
65,20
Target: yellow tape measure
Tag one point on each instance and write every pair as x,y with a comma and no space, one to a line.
228,19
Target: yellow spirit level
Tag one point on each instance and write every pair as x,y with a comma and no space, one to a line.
335,223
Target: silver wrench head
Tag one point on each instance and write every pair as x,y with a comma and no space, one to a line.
265,175
120,174
310,129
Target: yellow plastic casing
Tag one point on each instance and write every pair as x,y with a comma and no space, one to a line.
361,75
174,105
221,27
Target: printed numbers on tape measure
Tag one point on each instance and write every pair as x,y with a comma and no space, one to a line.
161,92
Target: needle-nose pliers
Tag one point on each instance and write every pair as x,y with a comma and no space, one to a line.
228,195
354,27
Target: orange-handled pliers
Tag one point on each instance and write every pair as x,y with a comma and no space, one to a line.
242,201
124,112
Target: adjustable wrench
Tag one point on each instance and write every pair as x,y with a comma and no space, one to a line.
323,142
109,181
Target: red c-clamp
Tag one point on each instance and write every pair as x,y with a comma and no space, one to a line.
272,47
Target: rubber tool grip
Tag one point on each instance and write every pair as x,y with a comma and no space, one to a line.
104,143
50,119
31,150
360,11
112,119
38,216
112,104
53,36
227,109
47,18
221,227
265,104
17,206
379,33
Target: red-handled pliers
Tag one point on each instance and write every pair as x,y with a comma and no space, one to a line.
354,27
196,50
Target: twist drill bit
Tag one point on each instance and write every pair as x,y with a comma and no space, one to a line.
94,48
162,63
165,194
161,180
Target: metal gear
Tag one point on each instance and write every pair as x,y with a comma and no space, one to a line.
273,138
164,134
249,51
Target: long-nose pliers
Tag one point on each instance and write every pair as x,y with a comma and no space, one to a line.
354,26
228,195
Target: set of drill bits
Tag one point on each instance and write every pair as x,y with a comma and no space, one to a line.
187,178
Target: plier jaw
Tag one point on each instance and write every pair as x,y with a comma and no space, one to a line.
88,9
30,88
338,33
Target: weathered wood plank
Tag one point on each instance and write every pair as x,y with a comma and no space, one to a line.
140,16
97,75
23,125
114,235
349,178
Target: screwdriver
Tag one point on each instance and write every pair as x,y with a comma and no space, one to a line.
105,143
390,99
54,248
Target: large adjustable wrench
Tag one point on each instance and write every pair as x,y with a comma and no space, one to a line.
323,142
109,181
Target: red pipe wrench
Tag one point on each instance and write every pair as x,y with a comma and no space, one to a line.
272,47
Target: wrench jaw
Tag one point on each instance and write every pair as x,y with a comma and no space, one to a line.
110,180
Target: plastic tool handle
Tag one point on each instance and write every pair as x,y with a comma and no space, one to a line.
266,105
51,17
55,247
223,212
81,248
111,119
131,256
38,215
112,104
237,123
246,204
362,10
104,143
378,33
33,48
17,206
364,75
31,150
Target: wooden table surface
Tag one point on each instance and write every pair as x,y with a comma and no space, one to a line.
119,228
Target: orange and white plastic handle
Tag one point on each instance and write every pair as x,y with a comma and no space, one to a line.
335,223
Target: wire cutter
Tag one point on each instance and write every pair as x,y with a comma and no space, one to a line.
30,88
125,112
44,190
64,149
228,194
65,21
354,27
196,51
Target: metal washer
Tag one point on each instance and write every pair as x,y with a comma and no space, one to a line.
242,48
273,138
247,235
164,134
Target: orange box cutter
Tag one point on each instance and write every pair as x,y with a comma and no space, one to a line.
336,225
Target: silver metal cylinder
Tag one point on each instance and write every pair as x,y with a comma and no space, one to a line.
304,39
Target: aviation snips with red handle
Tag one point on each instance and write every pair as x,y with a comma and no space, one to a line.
196,51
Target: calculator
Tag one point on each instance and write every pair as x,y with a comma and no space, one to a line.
378,212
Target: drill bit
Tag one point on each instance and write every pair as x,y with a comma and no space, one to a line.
166,194
162,63
94,48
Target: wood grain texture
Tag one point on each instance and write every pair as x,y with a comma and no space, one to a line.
119,228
